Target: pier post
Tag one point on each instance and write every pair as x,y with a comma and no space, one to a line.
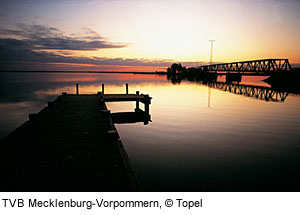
147,104
100,96
77,89
126,88
102,89
233,77
137,106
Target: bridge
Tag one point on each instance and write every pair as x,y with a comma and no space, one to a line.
254,67
258,92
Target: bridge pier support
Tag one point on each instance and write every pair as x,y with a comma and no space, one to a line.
233,77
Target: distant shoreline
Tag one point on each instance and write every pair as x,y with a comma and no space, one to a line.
110,72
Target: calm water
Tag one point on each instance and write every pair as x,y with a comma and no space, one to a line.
200,138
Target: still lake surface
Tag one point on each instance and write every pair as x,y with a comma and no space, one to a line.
200,138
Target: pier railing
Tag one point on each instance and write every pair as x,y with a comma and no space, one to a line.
137,97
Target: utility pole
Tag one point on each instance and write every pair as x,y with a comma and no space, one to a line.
208,97
211,51
210,62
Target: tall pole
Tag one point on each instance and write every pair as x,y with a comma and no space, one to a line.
210,62
211,51
209,94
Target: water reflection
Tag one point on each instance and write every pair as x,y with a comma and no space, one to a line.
237,144
256,87
37,86
258,92
24,93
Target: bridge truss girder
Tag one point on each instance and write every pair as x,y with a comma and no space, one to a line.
258,66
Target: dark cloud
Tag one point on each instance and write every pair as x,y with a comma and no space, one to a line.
18,51
44,37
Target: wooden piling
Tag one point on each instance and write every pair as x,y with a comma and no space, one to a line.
100,94
147,102
77,89
126,88
102,89
137,106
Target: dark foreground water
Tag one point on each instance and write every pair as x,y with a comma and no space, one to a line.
200,138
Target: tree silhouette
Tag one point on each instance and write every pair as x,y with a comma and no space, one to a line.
176,68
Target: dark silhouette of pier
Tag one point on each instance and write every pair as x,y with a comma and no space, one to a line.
71,145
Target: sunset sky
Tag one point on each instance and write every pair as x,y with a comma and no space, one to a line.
144,35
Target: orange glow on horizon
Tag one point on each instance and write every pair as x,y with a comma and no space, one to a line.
108,68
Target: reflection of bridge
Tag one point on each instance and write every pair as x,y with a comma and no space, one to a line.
257,67
263,93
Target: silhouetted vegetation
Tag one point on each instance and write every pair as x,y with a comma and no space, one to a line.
176,68
176,73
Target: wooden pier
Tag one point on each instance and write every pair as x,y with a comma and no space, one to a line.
71,145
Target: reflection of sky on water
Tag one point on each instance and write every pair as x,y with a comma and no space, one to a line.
235,140
24,93
23,86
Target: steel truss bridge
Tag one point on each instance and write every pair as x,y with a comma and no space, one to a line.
258,92
262,67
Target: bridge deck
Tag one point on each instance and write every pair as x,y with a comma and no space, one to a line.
71,145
